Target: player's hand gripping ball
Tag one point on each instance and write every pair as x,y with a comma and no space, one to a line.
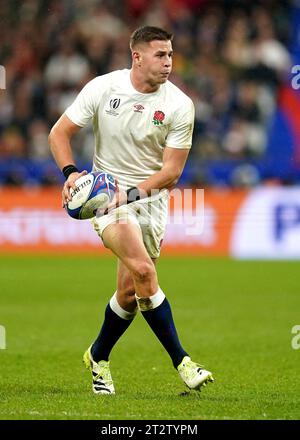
93,191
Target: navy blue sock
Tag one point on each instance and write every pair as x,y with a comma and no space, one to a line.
161,322
112,329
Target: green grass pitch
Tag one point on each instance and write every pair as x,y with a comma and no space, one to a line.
234,317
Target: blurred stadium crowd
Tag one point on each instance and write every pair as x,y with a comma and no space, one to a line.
230,57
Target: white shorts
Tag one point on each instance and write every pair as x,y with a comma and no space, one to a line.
149,214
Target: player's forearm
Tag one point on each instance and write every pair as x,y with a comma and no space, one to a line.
60,147
165,178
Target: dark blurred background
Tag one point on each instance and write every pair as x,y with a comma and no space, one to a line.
233,58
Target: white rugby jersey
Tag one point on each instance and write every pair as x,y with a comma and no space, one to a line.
132,128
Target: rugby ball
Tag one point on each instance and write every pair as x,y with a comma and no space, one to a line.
93,191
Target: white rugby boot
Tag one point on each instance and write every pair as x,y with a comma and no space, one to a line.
193,375
102,380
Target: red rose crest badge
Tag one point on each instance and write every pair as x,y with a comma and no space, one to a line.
158,117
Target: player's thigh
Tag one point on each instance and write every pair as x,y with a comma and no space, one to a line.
126,241
152,217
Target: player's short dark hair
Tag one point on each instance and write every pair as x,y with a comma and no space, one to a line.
146,34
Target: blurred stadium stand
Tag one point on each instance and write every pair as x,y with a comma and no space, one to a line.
234,58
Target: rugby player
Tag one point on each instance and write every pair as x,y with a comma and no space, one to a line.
143,127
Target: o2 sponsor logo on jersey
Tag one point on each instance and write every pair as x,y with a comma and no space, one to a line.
114,103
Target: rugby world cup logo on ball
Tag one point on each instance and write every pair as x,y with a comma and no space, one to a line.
93,191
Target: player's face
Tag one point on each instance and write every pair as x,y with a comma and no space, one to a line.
155,60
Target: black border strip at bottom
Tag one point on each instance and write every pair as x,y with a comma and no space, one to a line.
144,428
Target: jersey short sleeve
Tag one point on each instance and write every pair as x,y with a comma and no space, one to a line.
82,110
181,129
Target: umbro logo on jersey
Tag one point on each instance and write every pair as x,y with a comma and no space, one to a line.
138,108
113,104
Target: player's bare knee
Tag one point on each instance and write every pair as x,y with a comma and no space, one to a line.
143,272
